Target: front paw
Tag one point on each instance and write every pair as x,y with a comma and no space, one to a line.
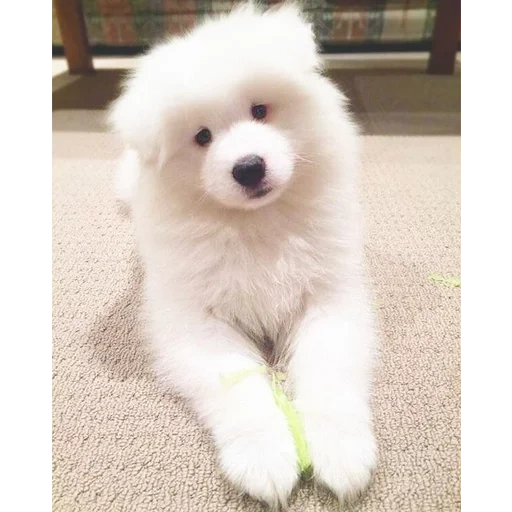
261,461
343,451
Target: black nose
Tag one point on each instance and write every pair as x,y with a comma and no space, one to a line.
249,170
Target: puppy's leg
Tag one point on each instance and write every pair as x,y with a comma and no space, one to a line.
126,176
213,366
331,374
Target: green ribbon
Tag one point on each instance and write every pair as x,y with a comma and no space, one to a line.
289,410
452,282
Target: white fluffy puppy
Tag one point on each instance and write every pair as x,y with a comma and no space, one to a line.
241,168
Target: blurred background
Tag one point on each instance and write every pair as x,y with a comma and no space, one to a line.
126,27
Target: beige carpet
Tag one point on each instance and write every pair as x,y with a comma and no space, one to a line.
120,443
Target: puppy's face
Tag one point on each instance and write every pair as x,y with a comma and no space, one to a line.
238,143
223,113
249,161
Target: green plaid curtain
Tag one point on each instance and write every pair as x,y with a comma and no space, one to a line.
143,22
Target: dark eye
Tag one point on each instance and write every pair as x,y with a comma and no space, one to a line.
259,111
203,137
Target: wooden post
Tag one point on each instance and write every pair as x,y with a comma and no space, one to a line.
74,36
445,38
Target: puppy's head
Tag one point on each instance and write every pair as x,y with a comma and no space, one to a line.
223,114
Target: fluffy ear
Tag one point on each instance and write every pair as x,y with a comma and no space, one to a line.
297,32
136,116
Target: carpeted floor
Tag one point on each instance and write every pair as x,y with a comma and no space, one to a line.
120,443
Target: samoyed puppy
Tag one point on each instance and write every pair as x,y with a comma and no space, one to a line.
240,168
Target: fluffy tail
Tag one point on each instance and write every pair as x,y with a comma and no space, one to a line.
126,176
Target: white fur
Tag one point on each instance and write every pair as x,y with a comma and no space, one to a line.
127,175
226,272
